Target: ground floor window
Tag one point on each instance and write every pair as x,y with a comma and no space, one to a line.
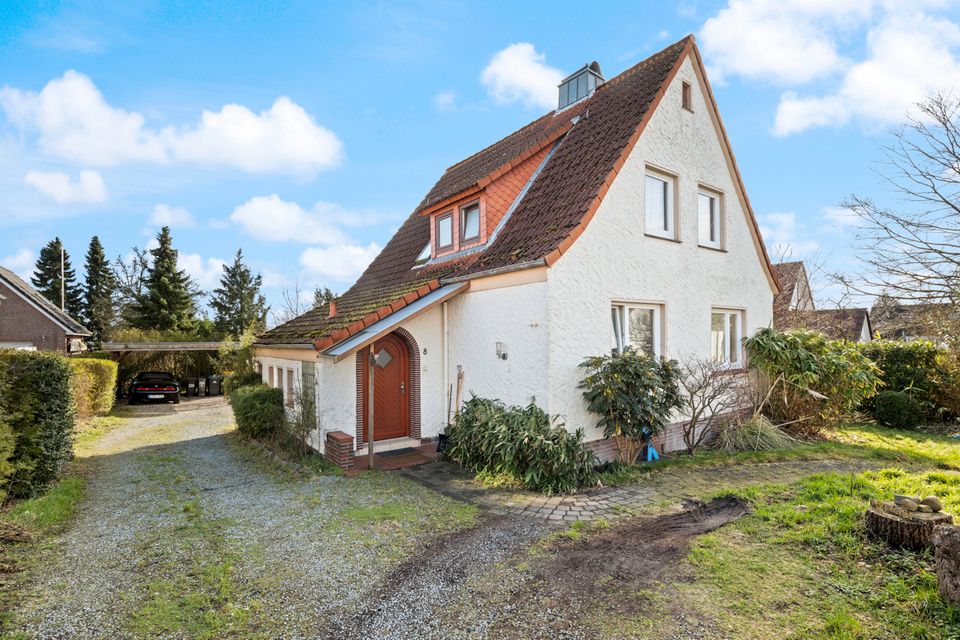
725,332
270,377
637,326
289,387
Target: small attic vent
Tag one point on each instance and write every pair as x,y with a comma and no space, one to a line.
580,84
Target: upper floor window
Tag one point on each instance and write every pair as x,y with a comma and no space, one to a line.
636,326
725,332
686,98
709,219
444,232
470,222
660,214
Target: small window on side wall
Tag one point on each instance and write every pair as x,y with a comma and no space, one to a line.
658,203
725,332
710,219
444,232
636,326
686,98
470,223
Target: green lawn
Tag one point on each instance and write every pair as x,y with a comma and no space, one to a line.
856,442
800,565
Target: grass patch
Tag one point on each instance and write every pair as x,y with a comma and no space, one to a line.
51,510
802,566
860,442
94,428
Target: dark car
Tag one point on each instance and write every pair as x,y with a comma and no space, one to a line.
154,386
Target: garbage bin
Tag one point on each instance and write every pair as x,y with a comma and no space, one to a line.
192,386
201,386
214,385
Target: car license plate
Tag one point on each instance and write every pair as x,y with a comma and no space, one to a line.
156,397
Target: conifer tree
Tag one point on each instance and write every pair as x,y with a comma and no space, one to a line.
99,307
168,301
323,295
237,302
47,279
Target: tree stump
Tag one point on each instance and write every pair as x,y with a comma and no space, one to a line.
904,529
946,558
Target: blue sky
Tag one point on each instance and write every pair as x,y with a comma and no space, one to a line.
305,132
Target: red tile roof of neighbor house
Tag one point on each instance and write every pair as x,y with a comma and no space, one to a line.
551,215
836,324
788,275
69,325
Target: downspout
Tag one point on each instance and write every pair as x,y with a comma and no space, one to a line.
446,368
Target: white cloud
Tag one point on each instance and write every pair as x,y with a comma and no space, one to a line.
785,238
164,215
840,218
283,139
519,73
909,57
271,218
785,41
57,185
206,273
21,262
445,101
73,121
342,262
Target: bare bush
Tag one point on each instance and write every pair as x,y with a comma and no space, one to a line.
713,392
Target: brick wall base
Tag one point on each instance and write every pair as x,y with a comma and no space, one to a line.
670,440
339,449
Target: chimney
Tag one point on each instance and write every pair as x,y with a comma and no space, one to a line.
333,309
580,84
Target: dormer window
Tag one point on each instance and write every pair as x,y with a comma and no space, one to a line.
470,223
580,84
424,256
444,232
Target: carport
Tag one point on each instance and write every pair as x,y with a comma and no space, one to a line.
124,352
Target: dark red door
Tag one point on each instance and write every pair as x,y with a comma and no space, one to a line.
391,384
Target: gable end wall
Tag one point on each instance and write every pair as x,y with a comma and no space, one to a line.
22,322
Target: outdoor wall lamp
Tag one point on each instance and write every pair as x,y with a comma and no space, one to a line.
501,351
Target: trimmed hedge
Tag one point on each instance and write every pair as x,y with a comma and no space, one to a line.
94,386
897,409
258,410
522,442
236,380
39,409
8,440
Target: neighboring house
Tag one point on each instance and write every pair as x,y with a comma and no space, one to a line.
920,321
794,308
618,219
30,321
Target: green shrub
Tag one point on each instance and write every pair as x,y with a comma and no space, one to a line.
897,409
907,366
234,381
94,386
39,408
258,410
947,394
634,395
8,440
809,382
521,442
754,434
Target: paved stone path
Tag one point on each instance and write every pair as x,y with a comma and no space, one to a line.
660,487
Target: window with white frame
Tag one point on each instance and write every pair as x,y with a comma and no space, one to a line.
725,332
636,326
470,223
658,198
444,232
710,219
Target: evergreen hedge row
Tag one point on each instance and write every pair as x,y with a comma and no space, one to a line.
258,410
94,386
37,416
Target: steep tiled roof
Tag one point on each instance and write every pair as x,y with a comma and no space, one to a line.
927,319
71,326
594,136
788,274
836,324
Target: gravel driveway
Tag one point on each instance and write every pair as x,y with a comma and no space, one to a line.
184,533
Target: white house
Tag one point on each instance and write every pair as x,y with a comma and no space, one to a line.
619,218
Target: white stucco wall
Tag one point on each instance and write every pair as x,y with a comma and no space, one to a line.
515,316
613,260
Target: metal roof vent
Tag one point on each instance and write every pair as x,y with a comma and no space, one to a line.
580,84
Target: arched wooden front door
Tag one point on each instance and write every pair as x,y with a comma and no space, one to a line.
391,391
